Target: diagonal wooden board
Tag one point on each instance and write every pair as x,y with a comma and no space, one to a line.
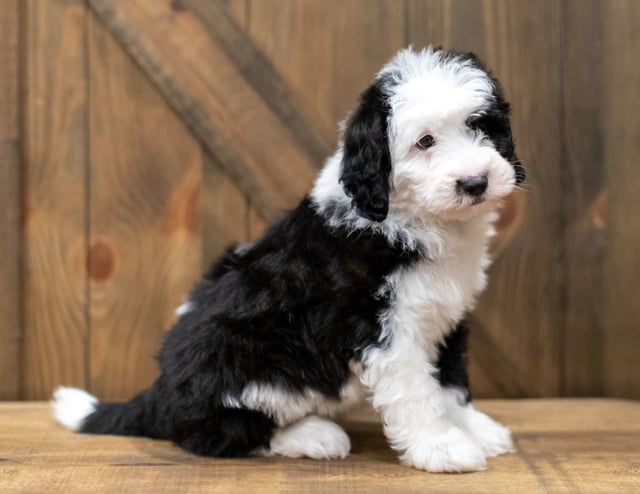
234,102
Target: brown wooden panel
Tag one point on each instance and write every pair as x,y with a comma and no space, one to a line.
144,251
256,224
10,200
225,213
524,307
457,25
622,135
217,91
55,154
584,232
239,10
328,51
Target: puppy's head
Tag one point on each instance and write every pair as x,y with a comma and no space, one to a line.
430,138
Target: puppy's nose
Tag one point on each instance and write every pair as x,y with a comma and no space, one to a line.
474,186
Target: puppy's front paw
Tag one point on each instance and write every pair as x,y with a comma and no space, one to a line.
448,451
494,439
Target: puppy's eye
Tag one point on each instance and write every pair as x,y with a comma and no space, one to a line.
426,142
473,121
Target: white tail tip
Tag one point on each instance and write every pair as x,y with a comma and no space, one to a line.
72,405
185,308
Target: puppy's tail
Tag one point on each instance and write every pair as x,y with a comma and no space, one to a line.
80,411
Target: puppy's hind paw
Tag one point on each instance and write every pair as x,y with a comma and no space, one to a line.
449,451
313,437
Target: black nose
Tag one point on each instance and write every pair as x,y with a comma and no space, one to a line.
474,186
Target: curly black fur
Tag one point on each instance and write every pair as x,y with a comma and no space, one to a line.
366,163
291,310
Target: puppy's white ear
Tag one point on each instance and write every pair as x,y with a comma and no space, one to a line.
366,162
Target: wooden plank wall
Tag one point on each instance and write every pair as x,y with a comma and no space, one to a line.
10,204
56,153
138,139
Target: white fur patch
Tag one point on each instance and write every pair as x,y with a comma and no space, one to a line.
428,299
71,406
185,308
286,407
313,437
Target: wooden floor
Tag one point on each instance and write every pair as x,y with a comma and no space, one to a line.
562,446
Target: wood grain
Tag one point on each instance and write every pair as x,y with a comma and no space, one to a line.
145,214
457,25
328,52
225,213
562,446
56,165
240,10
10,204
229,217
583,114
622,135
222,108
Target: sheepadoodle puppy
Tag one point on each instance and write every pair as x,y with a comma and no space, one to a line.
360,291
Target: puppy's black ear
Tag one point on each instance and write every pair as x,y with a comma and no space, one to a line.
499,129
366,161
495,123
504,141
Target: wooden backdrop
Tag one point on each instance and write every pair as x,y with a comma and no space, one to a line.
139,137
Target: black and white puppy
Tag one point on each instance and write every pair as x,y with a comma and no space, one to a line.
359,290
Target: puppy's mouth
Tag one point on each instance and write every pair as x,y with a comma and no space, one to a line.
478,200
466,201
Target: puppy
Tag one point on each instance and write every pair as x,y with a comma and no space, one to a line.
362,289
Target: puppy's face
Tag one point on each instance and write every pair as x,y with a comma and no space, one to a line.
431,138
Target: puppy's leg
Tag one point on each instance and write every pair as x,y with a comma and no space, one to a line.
493,438
411,401
313,437
227,432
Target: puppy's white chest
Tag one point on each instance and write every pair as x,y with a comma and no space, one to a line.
435,293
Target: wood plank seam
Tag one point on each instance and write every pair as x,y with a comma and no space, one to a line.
11,170
87,186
